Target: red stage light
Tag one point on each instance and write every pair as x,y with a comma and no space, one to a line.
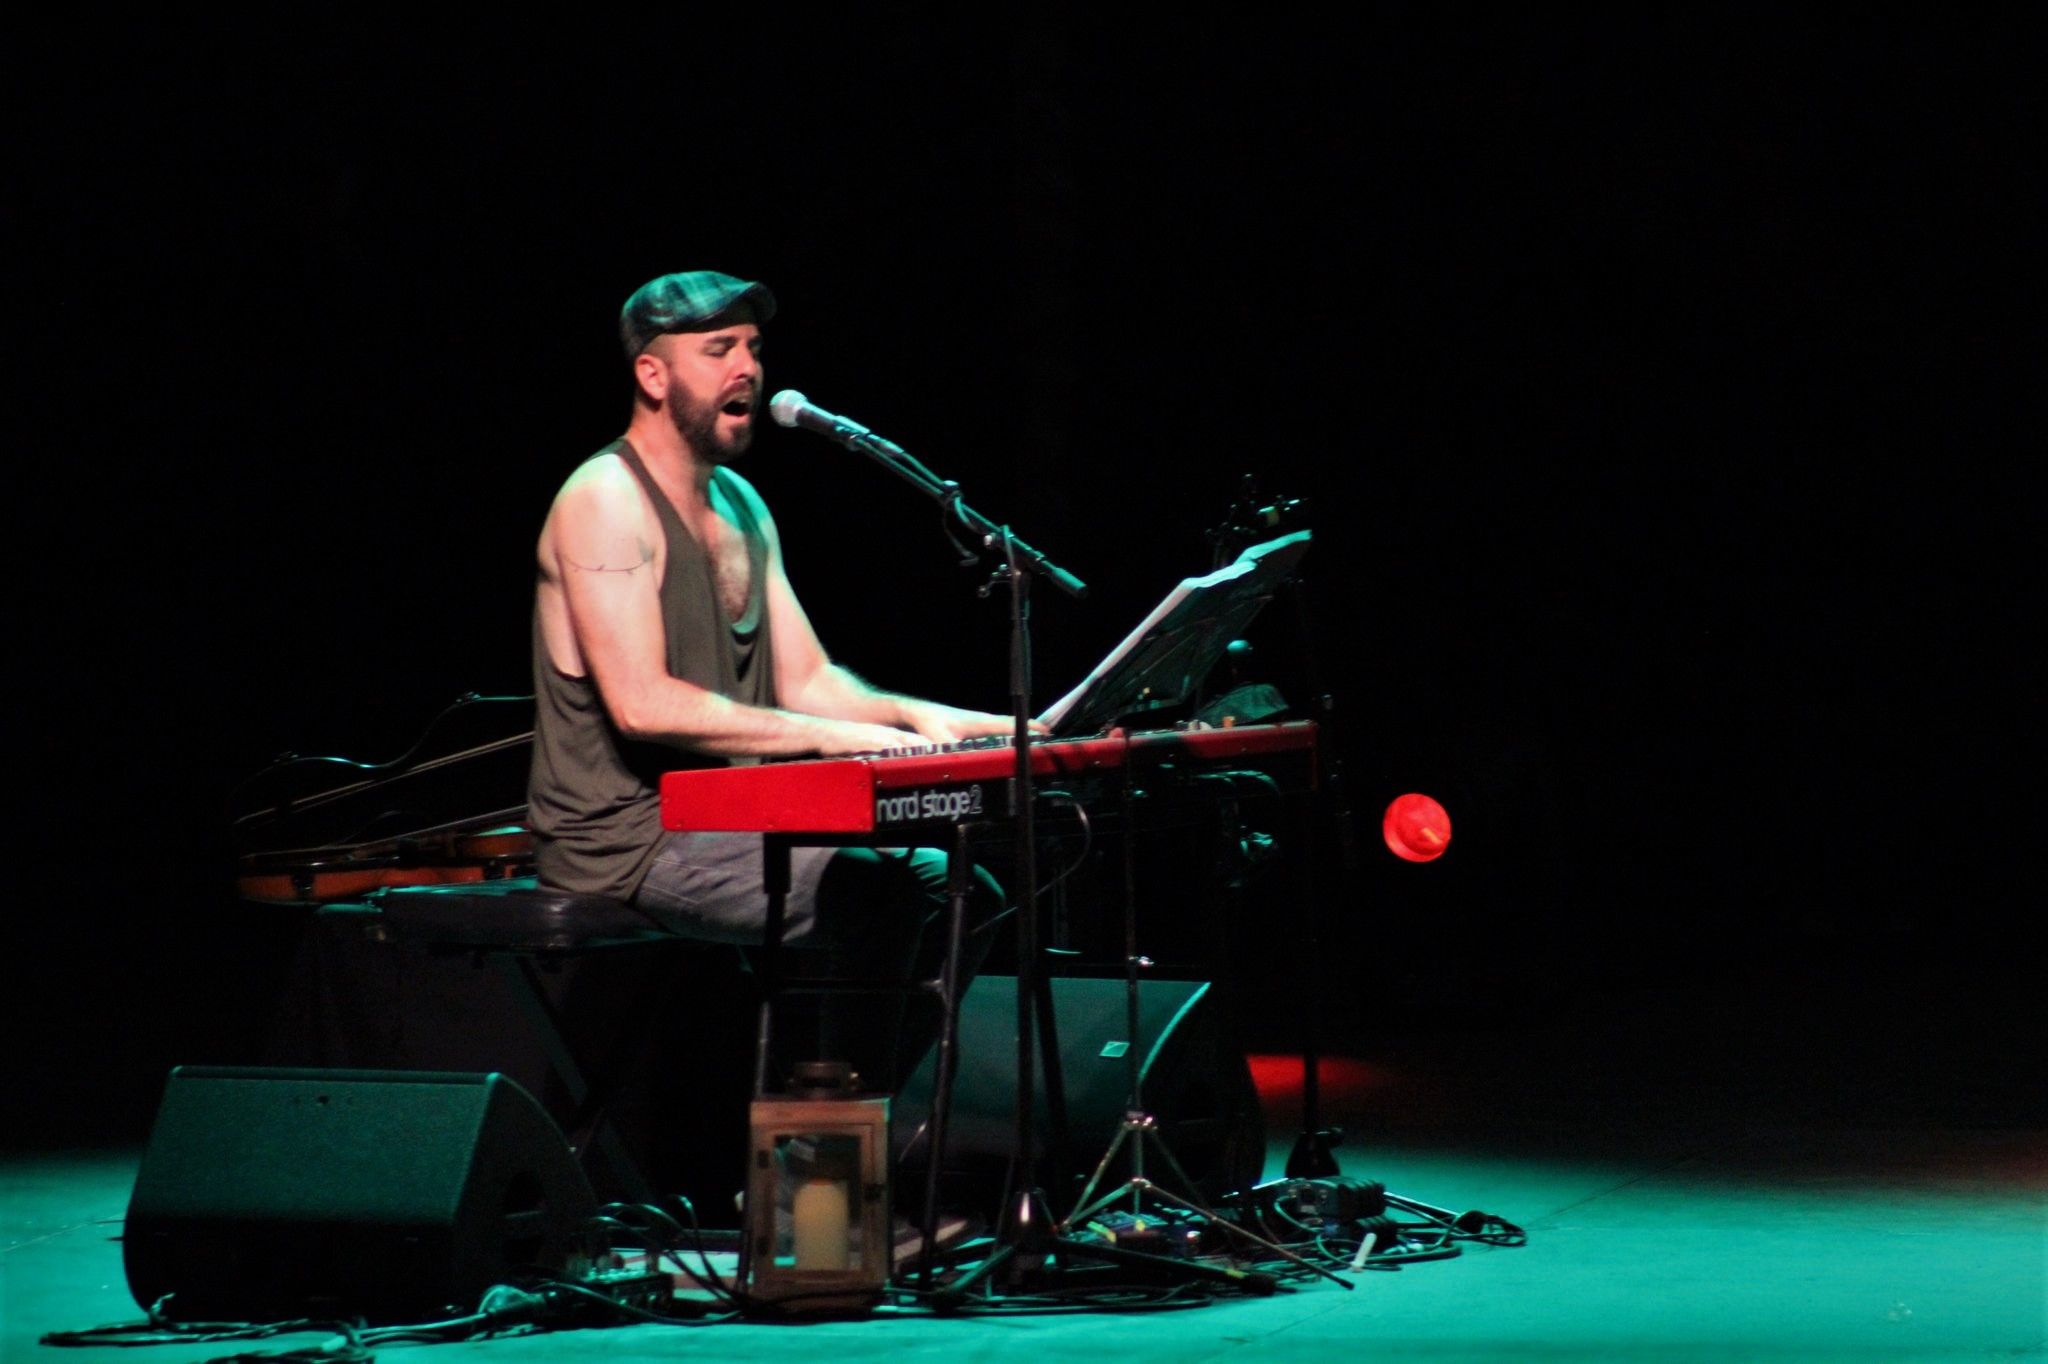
1416,828
1278,1079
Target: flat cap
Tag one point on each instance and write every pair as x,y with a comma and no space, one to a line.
687,302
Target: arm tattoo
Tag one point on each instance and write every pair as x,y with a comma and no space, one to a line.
646,558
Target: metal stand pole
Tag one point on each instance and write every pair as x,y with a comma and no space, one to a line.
959,879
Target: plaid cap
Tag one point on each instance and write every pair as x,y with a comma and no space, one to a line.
687,302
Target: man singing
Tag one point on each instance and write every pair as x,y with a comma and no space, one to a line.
666,635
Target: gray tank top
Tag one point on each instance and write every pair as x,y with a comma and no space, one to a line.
593,798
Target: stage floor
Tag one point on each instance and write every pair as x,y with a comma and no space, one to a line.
1775,1164
1778,1245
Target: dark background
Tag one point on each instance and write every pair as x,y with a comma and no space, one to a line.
1655,388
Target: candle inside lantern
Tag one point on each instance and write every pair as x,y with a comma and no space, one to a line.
820,1213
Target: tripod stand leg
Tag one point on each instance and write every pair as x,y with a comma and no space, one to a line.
954,1295
1146,1131
1082,1207
1233,1229
1026,1238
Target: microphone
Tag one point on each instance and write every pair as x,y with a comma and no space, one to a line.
791,408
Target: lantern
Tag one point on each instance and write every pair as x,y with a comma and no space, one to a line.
817,1210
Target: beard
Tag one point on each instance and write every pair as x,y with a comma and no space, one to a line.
697,424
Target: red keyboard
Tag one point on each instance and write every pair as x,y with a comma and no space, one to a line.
882,791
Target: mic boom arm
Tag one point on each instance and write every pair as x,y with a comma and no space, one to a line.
791,408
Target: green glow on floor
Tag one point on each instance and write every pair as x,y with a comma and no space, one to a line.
1771,1245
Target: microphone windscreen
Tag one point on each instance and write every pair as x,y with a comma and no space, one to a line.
786,406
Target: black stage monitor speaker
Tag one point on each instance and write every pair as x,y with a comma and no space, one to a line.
397,1196
1196,1084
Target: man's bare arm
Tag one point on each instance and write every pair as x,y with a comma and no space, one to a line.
808,681
602,557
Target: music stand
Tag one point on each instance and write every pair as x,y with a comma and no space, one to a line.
1163,660
1158,664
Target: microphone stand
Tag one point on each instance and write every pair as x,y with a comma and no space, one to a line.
1027,1233
1026,1228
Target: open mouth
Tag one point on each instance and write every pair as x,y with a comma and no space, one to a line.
739,405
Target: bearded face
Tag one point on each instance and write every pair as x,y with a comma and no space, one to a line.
712,384
718,432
